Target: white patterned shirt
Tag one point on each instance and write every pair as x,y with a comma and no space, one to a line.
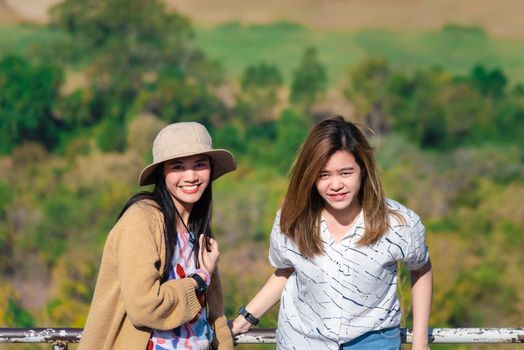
349,289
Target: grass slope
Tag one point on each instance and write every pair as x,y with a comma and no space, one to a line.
456,49
22,39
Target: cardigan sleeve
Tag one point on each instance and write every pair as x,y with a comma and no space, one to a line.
223,336
148,302
215,300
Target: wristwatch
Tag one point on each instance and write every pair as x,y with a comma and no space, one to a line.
201,284
248,316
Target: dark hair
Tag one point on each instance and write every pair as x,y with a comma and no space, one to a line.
302,206
199,218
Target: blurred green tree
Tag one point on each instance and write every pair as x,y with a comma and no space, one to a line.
368,90
260,85
73,109
126,46
416,110
292,130
229,137
17,316
175,96
489,83
28,93
125,39
309,80
467,114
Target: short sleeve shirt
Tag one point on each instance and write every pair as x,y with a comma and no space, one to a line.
349,289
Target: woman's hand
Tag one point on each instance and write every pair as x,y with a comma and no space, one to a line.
239,325
208,254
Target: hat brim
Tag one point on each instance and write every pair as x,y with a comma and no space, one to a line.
223,163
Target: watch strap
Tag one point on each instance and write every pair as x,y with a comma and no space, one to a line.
205,273
248,316
201,284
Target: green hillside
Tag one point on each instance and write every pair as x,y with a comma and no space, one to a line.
454,48
235,46
21,39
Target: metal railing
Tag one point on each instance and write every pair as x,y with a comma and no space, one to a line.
59,338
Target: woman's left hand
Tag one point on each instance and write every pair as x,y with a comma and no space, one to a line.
208,254
239,325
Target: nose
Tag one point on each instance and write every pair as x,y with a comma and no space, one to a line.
335,184
190,176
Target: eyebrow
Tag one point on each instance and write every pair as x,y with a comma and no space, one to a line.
203,158
341,169
347,168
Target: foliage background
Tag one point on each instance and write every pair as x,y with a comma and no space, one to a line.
84,90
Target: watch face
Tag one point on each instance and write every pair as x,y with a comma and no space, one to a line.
248,316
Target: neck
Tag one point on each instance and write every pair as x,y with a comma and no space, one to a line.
344,217
182,220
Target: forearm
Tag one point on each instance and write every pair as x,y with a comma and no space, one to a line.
270,293
264,300
421,291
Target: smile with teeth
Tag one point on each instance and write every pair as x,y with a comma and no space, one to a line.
189,188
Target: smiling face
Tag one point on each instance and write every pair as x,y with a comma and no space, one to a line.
339,183
186,179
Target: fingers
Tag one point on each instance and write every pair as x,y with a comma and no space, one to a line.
208,254
211,245
239,325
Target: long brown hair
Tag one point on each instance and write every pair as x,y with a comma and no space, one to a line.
302,206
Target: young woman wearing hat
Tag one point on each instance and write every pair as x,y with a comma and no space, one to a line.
335,245
159,266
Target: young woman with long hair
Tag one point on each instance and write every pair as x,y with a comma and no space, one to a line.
335,245
158,286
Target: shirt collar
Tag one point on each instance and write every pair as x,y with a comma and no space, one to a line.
355,231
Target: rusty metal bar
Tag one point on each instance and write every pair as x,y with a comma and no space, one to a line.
61,337
469,335
436,335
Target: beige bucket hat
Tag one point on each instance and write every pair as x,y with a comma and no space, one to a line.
182,140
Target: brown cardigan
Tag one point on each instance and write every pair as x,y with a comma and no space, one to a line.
130,300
